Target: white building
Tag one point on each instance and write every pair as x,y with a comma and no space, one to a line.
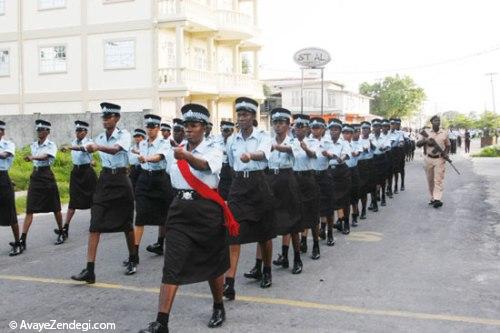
337,102
66,56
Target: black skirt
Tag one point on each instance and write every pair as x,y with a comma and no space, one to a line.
196,247
43,193
309,197
225,181
389,163
354,185
398,155
252,202
341,186
287,210
379,169
82,183
325,185
153,196
366,176
113,204
135,172
8,214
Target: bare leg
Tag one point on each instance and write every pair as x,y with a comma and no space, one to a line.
92,246
167,296
15,231
267,252
129,236
234,256
285,240
69,215
138,232
27,223
59,219
295,241
258,252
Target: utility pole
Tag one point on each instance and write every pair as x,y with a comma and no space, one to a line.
492,90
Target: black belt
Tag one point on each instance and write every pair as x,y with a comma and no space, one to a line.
379,156
153,172
81,166
247,174
303,173
278,171
135,166
187,194
115,171
319,172
433,156
338,166
41,168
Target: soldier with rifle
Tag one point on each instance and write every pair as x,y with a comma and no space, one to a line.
436,147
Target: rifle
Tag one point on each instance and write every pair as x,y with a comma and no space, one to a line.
437,149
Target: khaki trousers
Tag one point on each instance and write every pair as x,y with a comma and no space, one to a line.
434,169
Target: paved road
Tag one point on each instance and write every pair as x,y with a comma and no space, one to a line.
408,268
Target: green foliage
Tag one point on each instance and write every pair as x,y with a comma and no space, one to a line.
21,171
457,120
490,151
488,122
394,97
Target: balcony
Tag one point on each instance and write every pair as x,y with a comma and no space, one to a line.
197,81
228,24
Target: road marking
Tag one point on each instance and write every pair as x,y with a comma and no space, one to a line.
277,301
365,236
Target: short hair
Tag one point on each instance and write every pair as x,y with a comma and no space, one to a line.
435,117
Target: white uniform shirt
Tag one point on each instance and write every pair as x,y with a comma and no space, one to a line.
47,147
7,146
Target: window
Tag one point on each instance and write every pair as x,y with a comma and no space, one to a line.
4,63
295,98
331,99
200,58
53,59
169,50
2,7
119,54
51,4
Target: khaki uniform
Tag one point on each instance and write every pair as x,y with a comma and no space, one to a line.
434,164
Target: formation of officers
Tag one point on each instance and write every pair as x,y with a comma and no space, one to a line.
208,194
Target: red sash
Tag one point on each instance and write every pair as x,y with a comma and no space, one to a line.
207,193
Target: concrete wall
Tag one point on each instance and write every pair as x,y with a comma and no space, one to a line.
21,128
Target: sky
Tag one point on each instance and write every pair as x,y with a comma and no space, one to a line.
446,46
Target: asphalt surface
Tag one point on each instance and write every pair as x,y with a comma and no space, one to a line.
407,268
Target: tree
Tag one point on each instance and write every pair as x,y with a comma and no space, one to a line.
489,122
394,97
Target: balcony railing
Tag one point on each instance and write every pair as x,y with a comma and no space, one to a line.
208,82
206,15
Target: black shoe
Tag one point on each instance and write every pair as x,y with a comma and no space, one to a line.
155,327
355,222
131,268
254,273
85,276
338,225
16,249
383,203
61,238
23,244
266,281
218,317
229,293
297,267
371,207
390,196
156,248
431,203
363,215
315,253
322,233
346,228
375,208
281,261
126,262
396,191
437,204
303,245
330,241
402,187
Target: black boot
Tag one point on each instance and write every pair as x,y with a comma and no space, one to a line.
65,231
281,261
363,214
155,327
218,317
396,189
297,266
346,227
330,240
267,279
127,261
371,206
85,275
229,293
375,208
16,249
338,225
156,248
60,238
256,272
354,220
133,260
315,252
402,186
303,244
